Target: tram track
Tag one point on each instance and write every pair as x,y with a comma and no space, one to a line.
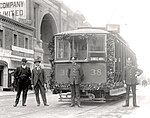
107,104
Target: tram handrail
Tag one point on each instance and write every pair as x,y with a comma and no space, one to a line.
117,75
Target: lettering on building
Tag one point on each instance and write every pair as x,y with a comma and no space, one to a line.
13,8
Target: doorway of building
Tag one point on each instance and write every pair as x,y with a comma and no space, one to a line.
48,29
1,75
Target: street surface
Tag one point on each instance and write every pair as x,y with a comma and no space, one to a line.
57,109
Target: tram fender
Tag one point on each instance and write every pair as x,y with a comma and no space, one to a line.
118,91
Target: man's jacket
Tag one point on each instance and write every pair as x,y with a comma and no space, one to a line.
131,73
75,74
18,76
38,75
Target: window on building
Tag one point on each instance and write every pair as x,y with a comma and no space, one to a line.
15,37
26,44
1,38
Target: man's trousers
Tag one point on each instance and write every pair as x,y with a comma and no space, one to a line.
75,93
22,86
39,87
133,87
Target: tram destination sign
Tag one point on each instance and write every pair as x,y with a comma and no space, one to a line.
113,28
14,9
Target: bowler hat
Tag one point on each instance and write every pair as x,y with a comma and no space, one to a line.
24,60
37,60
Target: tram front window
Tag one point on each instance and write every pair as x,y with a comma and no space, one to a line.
62,50
74,46
97,48
79,48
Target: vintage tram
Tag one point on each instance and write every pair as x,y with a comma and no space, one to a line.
102,55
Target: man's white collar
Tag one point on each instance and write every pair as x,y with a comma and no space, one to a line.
24,66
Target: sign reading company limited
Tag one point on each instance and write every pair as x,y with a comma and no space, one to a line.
13,8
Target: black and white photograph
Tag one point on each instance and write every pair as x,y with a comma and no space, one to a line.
74,59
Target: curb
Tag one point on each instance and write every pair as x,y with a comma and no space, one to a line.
12,93
3,93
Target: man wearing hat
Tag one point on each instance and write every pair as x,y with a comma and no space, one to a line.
75,75
38,82
22,78
131,73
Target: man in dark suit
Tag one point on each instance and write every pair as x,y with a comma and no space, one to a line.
131,73
75,75
38,82
22,77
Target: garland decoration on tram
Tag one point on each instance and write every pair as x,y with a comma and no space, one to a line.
110,61
80,36
51,47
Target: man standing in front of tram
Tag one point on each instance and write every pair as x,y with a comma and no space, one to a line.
131,73
75,75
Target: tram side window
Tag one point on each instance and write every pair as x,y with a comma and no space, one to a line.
97,47
62,50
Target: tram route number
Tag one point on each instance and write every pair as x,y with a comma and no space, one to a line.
97,72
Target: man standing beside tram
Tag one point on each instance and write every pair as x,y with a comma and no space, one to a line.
75,75
131,73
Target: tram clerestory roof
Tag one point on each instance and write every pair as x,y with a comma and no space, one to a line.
84,31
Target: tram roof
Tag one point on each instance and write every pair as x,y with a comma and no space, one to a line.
90,30
84,31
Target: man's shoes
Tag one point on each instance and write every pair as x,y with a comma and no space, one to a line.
125,105
15,105
79,105
136,106
24,105
72,105
38,105
46,105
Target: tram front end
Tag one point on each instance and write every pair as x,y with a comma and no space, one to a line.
93,50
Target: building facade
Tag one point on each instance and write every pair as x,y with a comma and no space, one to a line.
16,41
26,28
